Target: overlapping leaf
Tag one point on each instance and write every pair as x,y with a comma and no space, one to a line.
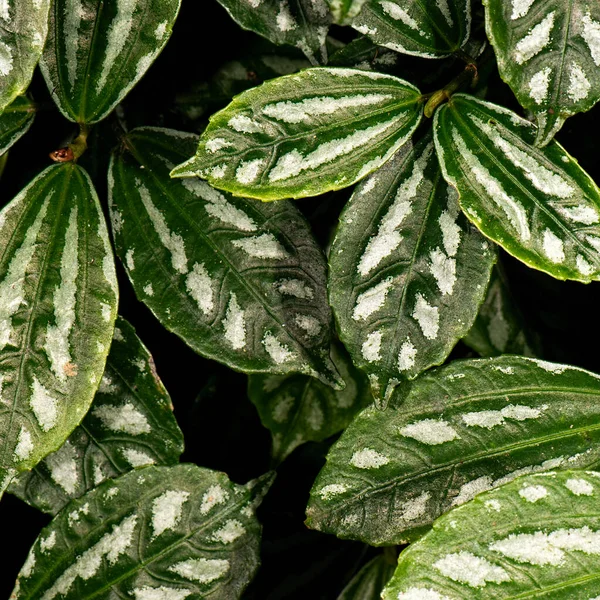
129,425
536,537
302,135
239,281
98,50
369,582
538,204
548,51
58,303
427,29
156,533
460,430
344,11
15,121
407,270
362,53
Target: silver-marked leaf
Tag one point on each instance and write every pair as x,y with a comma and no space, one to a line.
363,54
537,203
58,304
369,582
407,271
427,29
130,424
344,11
239,281
158,533
298,409
15,122
536,537
455,432
98,50
305,134
23,30
548,51
300,23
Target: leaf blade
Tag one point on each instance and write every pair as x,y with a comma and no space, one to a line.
15,122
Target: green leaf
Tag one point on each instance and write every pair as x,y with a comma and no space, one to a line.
302,135
344,11
536,537
363,54
369,582
155,533
407,270
15,122
453,433
130,424
97,51
538,204
300,23
549,54
298,409
239,281
58,303
426,29
23,30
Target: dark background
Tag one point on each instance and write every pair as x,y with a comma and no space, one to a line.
221,426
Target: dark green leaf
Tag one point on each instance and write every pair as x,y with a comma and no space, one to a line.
15,121
369,582
344,11
363,54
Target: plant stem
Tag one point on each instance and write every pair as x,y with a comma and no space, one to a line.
79,144
467,76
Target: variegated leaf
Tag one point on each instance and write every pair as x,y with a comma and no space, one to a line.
239,281
15,122
98,50
369,582
548,51
23,30
453,433
301,135
158,533
300,23
407,271
426,29
129,425
538,204
298,409
58,304
363,54
536,537
344,11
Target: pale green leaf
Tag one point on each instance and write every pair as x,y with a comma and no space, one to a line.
369,582
453,433
301,135
15,122
344,11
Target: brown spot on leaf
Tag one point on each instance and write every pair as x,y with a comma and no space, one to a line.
70,369
62,155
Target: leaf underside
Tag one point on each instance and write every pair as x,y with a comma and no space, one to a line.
15,121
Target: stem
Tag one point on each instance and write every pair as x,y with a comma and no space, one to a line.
79,144
467,76
3,159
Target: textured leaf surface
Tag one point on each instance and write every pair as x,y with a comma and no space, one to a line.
538,204
537,537
23,30
298,409
302,135
300,23
58,303
407,270
369,582
548,51
129,425
239,281
427,29
97,51
160,533
15,121
461,430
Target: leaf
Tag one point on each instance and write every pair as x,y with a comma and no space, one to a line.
534,537
407,270
538,204
369,582
302,135
300,23
239,281
97,51
130,424
157,533
453,433
15,122
298,409
23,30
344,11
58,303
549,54
363,54
429,30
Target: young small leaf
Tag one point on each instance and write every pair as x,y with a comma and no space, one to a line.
239,281
305,134
536,537
550,56
455,432
15,121
407,270
363,54
538,204
98,50
129,425
155,533
369,582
